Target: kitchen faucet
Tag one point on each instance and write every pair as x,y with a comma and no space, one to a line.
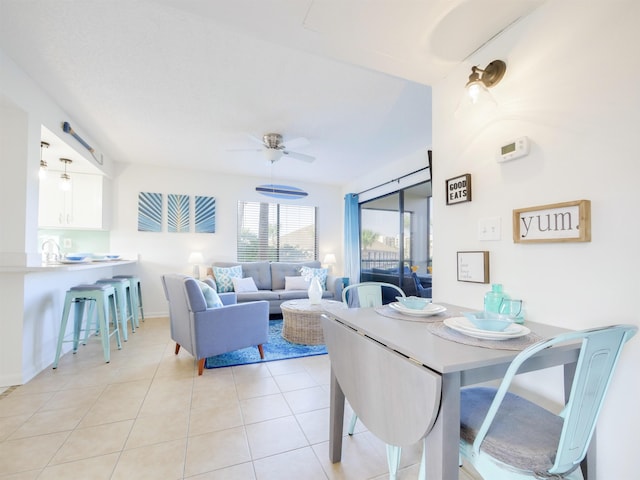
49,255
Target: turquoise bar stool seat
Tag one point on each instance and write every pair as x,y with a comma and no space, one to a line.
124,304
101,299
135,293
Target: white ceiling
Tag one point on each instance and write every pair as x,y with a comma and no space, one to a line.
182,82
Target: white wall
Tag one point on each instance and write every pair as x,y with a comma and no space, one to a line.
168,252
572,86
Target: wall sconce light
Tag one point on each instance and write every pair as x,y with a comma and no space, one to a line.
329,260
42,173
65,179
477,88
195,259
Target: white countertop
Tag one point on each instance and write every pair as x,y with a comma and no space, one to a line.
64,267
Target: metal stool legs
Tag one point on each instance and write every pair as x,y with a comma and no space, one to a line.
135,292
101,300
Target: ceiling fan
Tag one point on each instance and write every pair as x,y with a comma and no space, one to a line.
274,149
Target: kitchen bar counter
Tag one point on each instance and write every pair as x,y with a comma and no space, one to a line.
32,299
65,267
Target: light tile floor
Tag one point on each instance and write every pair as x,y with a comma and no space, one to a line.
147,414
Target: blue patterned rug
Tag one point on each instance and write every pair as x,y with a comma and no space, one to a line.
277,349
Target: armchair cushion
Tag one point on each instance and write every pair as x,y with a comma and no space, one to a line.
210,295
224,277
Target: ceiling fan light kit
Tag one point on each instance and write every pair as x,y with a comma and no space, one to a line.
274,148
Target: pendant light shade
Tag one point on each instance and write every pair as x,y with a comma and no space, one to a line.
42,173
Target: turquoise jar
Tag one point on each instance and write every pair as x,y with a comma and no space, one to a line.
493,298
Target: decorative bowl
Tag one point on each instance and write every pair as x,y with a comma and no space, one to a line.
488,321
76,257
414,303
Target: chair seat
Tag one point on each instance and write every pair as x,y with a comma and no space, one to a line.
523,434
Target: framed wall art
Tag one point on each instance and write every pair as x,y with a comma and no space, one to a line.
149,212
205,219
473,267
458,189
178,213
556,222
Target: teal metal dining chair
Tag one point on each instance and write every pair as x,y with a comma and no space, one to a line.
368,294
506,437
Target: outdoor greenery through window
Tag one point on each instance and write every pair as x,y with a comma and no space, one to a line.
275,232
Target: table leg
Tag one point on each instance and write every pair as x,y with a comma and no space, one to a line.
336,419
442,443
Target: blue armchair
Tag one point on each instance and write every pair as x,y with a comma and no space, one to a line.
205,332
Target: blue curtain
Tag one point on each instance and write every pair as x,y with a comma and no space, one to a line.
351,238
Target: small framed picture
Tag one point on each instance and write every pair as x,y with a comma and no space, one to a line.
458,189
473,267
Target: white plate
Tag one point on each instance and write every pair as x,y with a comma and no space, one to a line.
66,260
430,309
464,326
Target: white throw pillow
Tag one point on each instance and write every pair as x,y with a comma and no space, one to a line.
244,285
296,283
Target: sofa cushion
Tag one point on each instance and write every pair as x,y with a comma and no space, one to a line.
259,295
224,276
259,271
279,270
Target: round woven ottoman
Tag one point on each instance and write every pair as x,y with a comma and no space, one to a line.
301,321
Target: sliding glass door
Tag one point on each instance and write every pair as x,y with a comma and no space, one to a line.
395,238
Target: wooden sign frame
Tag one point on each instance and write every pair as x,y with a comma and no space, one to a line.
458,189
473,266
556,222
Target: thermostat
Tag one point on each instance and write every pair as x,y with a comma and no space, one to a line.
516,149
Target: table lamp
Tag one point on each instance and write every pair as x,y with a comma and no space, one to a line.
195,259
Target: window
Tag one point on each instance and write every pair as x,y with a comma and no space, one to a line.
275,232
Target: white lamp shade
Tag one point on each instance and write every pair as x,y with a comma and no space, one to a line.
196,258
329,259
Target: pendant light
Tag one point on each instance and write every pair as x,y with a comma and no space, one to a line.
42,173
65,179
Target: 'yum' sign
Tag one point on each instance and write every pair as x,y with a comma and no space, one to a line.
559,222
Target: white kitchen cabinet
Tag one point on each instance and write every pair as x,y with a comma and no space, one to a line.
80,207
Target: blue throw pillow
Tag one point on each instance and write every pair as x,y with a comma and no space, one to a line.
224,277
320,273
210,295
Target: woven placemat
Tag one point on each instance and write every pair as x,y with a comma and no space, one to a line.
387,311
520,343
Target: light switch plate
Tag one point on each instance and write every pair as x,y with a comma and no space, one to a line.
489,228
66,243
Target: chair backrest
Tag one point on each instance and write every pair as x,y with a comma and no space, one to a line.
397,399
601,348
367,294
181,308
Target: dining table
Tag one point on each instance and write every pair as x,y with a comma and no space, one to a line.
461,360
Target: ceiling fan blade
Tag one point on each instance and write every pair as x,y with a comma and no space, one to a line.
299,142
244,149
255,139
299,156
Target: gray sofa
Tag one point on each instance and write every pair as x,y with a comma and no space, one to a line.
269,277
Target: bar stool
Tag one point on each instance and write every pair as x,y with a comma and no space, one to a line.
102,300
136,296
123,303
